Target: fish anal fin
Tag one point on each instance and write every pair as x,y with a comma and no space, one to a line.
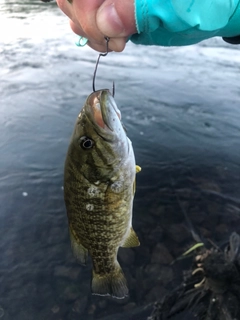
131,240
79,251
111,284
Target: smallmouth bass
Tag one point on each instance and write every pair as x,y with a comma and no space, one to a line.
99,187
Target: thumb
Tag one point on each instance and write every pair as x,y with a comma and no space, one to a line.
116,18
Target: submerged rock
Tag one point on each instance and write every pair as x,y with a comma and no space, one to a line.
161,255
1,312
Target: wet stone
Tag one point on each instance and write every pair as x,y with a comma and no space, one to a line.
184,191
66,272
214,209
157,210
126,256
60,250
156,235
204,232
80,305
131,280
161,275
29,287
161,255
55,309
166,275
178,232
102,304
92,309
148,284
222,229
155,294
69,257
232,212
1,312
210,185
138,285
129,306
45,293
56,236
169,216
71,293
142,254
196,215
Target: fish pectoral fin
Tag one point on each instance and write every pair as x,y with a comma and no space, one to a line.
138,169
131,240
79,251
111,284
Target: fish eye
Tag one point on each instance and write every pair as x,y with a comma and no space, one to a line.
86,142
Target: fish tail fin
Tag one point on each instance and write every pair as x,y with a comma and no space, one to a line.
111,284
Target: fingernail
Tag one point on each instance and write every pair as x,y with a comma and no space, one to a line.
109,22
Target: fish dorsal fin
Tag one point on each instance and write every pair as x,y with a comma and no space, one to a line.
131,240
79,251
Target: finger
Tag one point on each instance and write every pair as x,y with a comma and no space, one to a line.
116,19
82,14
85,17
84,23
96,45
66,7
115,44
77,29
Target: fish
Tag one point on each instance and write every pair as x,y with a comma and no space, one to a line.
99,187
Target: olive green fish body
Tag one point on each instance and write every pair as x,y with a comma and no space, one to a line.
99,184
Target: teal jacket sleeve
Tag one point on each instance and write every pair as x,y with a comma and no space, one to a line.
185,22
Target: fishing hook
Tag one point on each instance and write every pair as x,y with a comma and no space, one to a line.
95,71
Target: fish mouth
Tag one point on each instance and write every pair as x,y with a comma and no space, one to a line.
103,109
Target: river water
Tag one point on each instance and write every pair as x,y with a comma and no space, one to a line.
181,107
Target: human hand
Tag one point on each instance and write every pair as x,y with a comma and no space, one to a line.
96,19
